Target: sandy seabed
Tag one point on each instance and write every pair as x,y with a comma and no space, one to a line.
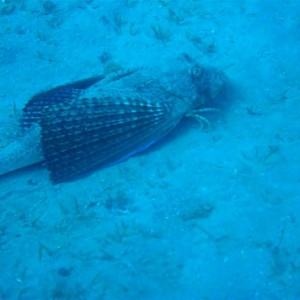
204,215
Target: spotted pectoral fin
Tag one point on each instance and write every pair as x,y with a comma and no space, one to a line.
85,134
62,94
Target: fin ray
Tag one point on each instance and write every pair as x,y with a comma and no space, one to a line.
84,137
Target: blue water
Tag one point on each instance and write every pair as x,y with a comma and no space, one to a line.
203,215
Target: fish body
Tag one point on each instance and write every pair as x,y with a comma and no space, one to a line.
100,121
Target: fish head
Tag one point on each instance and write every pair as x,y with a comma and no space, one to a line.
208,81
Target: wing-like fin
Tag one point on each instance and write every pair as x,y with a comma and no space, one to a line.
84,134
61,94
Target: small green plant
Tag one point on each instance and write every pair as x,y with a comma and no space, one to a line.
160,33
44,250
175,17
131,3
119,23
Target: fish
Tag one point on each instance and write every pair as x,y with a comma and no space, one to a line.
76,128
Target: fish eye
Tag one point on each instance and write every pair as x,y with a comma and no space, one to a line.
197,71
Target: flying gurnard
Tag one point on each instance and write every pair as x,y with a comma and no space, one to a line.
78,127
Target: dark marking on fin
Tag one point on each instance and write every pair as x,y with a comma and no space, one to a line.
81,84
